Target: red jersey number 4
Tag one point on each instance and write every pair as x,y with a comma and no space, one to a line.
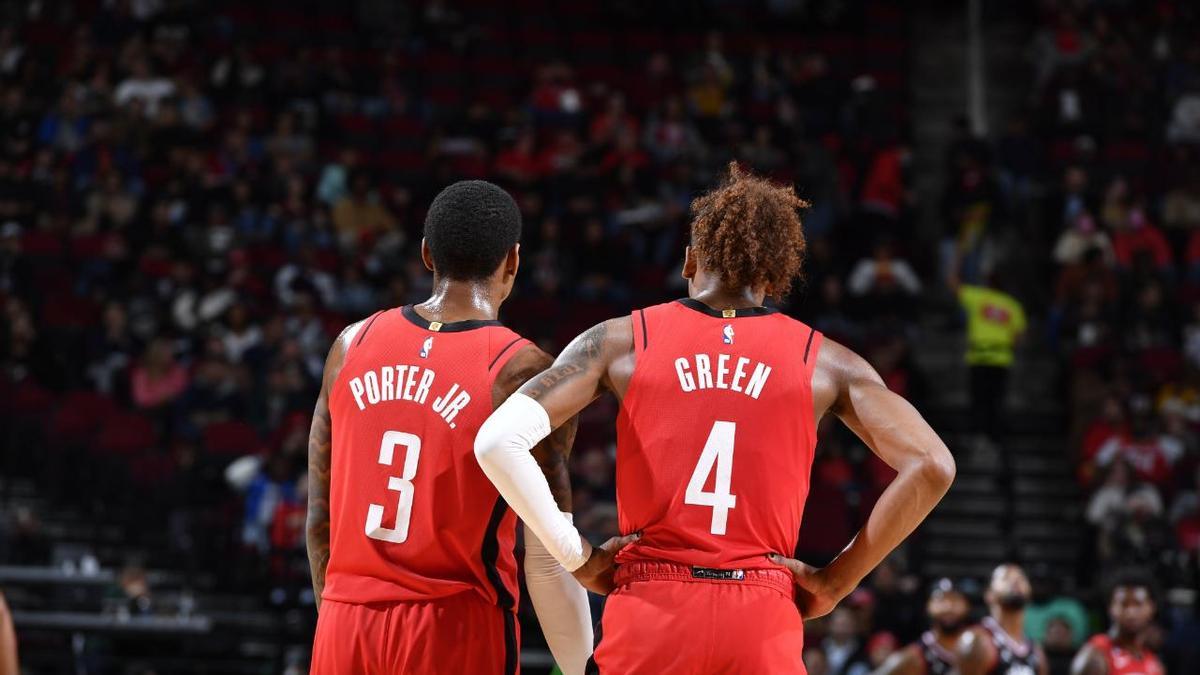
718,453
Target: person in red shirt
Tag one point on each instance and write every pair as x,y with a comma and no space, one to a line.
720,397
411,548
1121,651
1138,236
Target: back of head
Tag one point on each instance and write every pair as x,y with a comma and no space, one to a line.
747,231
470,228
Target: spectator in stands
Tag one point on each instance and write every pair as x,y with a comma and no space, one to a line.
1058,643
1127,517
1134,237
1083,236
969,210
142,84
815,661
1150,453
883,283
843,647
360,214
133,591
158,380
879,648
670,135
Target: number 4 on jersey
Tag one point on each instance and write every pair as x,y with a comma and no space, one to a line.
718,451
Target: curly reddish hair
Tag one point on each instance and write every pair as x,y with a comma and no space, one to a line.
748,232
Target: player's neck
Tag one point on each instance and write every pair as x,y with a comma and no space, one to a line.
709,290
1130,643
947,640
1013,623
453,300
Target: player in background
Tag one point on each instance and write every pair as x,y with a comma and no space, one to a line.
719,402
411,548
949,612
998,644
1122,650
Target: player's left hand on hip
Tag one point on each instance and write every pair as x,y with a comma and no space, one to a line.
815,595
596,574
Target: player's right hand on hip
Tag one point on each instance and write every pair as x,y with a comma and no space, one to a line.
596,574
815,595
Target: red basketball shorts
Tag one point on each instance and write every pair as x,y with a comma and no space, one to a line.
461,633
668,618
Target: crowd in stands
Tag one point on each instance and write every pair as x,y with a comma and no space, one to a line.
1115,99
196,197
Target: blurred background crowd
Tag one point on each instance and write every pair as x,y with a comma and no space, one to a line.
195,197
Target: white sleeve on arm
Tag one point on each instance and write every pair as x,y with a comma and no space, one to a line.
561,605
502,448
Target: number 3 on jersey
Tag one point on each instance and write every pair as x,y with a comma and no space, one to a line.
718,451
398,533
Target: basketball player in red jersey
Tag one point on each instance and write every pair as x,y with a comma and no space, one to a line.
998,644
1121,651
949,612
720,398
411,548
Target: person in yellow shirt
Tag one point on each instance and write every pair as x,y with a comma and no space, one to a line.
995,322
359,213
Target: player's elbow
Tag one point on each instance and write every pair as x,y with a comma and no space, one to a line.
938,468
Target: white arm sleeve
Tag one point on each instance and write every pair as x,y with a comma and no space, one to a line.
502,448
561,605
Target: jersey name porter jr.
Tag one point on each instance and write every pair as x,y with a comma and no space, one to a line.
412,516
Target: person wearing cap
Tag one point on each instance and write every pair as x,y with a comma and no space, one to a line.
949,612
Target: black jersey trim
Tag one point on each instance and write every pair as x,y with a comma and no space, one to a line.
692,303
808,345
452,327
489,551
511,651
504,351
367,327
645,336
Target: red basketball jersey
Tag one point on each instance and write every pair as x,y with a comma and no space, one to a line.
1123,662
412,516
715,435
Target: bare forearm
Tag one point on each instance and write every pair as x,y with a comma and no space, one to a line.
902,506
552,455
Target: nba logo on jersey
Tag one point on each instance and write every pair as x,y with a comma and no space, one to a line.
727,334
428,345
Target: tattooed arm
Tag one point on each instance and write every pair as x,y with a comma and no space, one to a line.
319,450
553,452
590,364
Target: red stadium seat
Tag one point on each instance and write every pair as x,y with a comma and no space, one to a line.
230,438
125,434
79,416
28,399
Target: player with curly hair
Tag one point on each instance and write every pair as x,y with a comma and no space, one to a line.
720,396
